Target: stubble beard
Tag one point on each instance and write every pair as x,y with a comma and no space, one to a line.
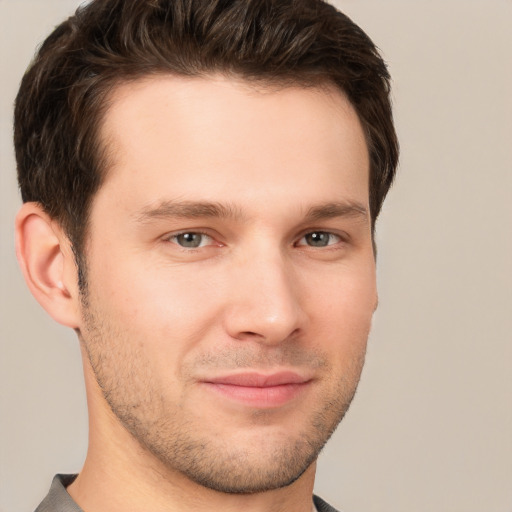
178,438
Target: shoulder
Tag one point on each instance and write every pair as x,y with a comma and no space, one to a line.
323,506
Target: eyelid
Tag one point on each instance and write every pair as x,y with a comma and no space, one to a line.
171,237
341,236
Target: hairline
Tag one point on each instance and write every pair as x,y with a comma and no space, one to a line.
106,145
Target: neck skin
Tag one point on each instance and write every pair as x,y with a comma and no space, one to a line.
118,475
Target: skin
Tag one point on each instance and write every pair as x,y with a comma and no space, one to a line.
231,236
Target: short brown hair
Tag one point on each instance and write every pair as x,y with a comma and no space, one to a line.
64,94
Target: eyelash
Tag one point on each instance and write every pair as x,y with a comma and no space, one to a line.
320,232
340,239
173,239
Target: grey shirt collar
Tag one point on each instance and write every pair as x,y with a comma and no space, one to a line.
58,499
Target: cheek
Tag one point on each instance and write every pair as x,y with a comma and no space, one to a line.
342,312
347,294
157,307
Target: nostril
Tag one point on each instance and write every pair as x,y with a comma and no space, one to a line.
268,337
250,333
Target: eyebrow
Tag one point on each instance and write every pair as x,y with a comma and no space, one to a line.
188,210
337,209
206,209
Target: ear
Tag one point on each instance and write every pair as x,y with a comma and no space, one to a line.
48,264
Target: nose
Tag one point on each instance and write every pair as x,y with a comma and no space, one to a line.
265,302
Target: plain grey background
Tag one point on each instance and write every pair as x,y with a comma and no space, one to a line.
431,425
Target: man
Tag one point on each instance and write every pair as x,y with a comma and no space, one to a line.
201,182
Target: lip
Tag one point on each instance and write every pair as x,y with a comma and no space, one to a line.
264,391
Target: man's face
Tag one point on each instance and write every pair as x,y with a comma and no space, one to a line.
231,277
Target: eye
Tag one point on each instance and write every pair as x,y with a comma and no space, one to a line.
319,239
191,240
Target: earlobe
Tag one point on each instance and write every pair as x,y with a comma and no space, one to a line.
47,262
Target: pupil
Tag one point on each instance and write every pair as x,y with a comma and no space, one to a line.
317,239
189,239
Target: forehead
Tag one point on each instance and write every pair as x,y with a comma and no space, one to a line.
217,137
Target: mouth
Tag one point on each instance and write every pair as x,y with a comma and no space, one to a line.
263,391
